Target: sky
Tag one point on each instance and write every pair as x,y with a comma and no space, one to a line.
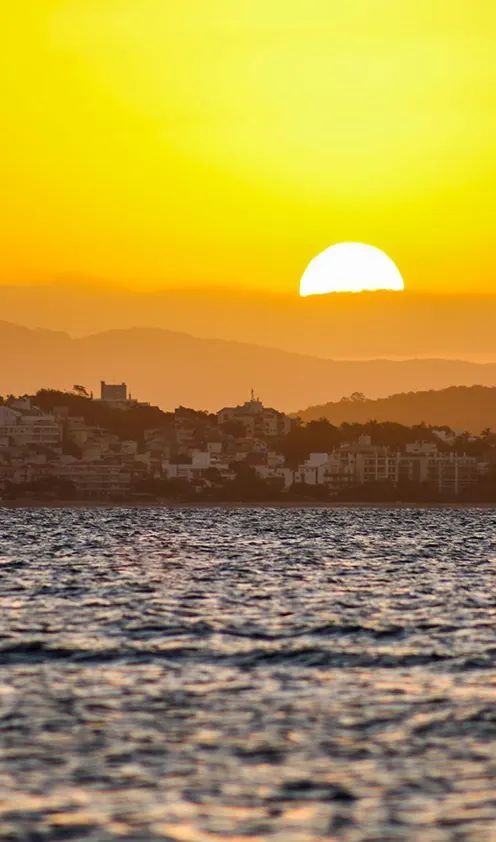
156,143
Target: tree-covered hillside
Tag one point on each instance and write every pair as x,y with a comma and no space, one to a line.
460,407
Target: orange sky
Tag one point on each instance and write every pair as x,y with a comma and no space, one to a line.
176,142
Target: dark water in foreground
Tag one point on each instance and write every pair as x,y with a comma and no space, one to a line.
207,675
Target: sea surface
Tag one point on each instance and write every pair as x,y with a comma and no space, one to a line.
204,675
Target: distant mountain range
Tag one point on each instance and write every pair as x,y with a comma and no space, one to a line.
343,326
462,408
170,369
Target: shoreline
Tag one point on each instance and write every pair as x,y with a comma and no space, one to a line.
203,504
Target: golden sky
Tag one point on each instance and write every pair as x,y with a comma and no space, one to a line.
226,142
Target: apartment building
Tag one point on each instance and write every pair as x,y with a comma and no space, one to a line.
448,473
329,469
117,396
25,425
101,477
257,419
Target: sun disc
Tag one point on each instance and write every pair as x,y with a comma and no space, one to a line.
350,267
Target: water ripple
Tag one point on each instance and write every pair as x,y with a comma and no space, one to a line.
248,674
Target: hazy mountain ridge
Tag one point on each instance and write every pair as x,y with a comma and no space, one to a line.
470,408
170,369
380,324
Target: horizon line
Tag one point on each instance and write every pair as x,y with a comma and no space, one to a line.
96,285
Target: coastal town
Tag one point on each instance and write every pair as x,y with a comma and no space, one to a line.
72,445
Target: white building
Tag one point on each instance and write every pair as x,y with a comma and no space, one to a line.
100,477
447,473
450,473
113,392
310,472
201,461
284,476
257,419
29,426
116,395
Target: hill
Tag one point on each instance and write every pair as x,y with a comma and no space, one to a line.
169,369
459,407
376,324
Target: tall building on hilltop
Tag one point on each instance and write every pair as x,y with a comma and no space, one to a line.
113,392
257,419
117,396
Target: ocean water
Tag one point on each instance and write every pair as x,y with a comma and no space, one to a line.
199,675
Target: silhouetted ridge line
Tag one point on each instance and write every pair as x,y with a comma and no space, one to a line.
346,326
461,407
170,369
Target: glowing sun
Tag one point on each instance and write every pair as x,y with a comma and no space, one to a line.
350,267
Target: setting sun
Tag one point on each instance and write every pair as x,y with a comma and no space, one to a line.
350,267
129,124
